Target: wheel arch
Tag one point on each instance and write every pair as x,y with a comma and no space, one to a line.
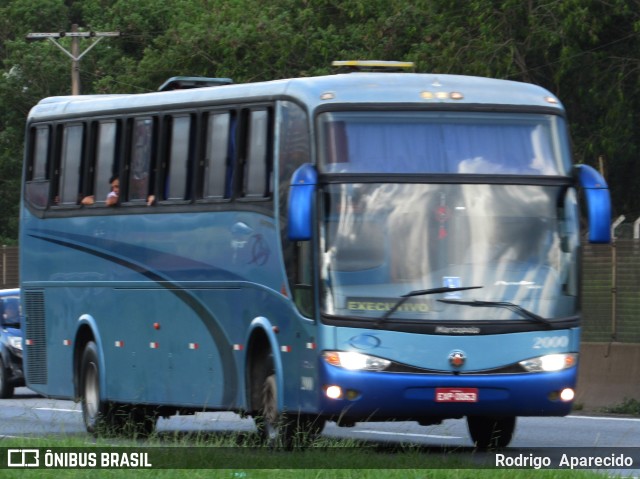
261,354
87,331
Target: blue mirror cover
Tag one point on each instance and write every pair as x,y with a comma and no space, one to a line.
300,210
598,203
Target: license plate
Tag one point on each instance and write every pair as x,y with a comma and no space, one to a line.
456,395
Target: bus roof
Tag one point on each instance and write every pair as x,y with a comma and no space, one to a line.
348,88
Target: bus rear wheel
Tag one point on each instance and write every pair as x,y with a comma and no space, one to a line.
491,432
94,410
104,418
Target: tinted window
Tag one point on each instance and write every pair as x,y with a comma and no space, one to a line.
178,174
37,188
40,153
219,156
141,151
71,161
257,167
106,147
442,142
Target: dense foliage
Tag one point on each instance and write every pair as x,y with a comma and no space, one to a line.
585,51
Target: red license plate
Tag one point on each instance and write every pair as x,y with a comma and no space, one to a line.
456,395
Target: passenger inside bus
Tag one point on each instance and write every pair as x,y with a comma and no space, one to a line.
112,197
114,194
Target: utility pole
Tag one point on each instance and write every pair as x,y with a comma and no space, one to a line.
74,54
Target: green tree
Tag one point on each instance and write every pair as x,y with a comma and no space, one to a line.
585,51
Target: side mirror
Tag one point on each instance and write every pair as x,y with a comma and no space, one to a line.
301,193
598,203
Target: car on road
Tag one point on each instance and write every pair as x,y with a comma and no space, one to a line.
11,371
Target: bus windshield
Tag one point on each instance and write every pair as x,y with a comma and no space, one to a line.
443,142
382,240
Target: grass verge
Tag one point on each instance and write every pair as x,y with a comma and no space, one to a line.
235,457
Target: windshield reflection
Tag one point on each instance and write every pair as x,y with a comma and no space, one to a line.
519,242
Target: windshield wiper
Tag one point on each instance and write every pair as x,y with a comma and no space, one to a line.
525,313
420,292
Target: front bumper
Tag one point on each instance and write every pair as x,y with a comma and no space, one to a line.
384,396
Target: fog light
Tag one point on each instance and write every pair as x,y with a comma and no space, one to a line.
567,394
333,392
352,394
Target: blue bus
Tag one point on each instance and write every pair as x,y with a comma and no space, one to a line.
365,246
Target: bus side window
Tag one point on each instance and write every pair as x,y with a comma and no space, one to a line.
219,156
141,159
257,167
71,162
101,163
106,159
177,169
37,189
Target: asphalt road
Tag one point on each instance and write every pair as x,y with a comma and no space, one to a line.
29,415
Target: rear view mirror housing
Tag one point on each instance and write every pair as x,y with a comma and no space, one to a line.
301,200
598,205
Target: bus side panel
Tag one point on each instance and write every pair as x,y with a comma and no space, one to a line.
293,345
166,346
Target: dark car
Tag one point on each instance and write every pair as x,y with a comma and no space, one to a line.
11,373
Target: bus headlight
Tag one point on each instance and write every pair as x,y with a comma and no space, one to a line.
355,361
550,362
15,342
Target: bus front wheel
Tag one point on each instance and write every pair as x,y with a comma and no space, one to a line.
273,426
281,429
491,432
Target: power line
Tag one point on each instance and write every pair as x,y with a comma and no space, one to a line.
74,54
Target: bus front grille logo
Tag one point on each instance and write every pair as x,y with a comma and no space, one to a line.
457,359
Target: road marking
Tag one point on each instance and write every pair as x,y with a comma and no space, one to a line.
56,409
433,436
605,418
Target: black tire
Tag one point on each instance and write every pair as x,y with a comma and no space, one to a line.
273,426
278,429
95,410
6,388
491,432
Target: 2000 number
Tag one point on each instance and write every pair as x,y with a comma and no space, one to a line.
551,342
